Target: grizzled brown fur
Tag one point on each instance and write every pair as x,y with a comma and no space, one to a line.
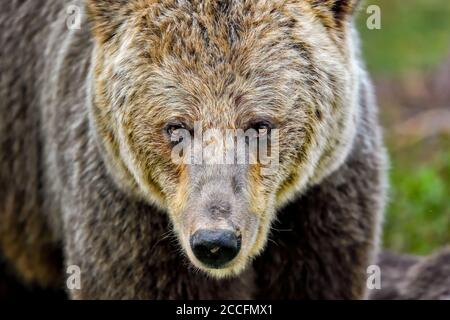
85,172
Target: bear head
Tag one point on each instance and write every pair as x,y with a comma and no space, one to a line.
282,74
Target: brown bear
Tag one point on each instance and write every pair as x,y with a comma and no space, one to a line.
88,119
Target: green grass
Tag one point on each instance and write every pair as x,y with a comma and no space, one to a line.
414,35
418,215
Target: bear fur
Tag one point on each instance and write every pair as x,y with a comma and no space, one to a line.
64,202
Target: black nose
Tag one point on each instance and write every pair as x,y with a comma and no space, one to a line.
215,248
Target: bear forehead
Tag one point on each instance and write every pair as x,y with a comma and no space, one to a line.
251,55
215,31
221,44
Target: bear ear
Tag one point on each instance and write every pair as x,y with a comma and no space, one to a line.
106,16
341,9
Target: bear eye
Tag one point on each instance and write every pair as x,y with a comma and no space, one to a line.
263,127
173,130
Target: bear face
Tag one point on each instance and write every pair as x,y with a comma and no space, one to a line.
165,67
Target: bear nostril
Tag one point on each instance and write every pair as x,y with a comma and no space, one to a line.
215,248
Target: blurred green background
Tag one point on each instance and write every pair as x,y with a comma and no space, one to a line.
409,59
